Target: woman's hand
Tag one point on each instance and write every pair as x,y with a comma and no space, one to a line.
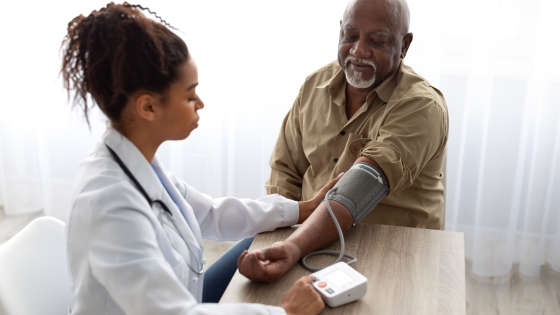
307,207
302,298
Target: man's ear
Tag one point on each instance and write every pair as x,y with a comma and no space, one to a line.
145,106
407,39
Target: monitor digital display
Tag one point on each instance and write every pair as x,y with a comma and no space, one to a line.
339,278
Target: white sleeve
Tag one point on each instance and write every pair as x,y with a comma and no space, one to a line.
229,218
236,308
125,258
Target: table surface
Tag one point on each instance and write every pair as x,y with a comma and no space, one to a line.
409,271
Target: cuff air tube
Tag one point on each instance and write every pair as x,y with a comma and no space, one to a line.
360,189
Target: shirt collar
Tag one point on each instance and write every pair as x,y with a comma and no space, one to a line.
336,86
386,88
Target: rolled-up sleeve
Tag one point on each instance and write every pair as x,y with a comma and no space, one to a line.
414,132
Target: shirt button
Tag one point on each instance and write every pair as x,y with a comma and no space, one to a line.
335,160
342,133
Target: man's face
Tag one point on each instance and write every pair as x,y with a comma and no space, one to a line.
370,44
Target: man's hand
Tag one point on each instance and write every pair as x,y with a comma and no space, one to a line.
269,264
306,208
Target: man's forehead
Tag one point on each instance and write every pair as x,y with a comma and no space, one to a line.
375,31
380,15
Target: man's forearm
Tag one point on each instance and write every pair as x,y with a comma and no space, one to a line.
316,232
319,229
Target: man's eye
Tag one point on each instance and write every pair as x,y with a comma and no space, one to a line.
193,99
350,37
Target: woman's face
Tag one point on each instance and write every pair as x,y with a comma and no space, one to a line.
179,114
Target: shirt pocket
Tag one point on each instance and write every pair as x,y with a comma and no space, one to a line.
356,143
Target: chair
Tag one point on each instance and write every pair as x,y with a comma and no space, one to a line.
33,270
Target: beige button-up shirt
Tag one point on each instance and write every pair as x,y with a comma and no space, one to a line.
403,126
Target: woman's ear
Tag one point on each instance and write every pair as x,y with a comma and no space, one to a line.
145,106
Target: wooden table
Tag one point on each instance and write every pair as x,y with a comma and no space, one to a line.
409,271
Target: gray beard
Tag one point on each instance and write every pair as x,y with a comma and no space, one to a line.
357,81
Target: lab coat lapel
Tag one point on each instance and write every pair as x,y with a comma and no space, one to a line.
145,175
184,209
187,232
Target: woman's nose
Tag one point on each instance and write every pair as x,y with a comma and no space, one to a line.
200,104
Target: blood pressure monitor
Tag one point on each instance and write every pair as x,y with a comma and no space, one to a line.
339,284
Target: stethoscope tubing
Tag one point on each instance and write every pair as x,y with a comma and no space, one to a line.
200,269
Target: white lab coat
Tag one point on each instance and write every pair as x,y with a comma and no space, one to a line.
123,260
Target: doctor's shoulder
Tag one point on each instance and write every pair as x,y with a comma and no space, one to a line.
101,188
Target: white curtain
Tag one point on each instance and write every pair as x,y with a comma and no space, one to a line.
495,61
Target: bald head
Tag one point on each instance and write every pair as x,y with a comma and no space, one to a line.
373,39
396,10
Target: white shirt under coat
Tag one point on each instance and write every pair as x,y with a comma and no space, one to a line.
123,260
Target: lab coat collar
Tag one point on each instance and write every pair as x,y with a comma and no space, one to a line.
135,162
144,173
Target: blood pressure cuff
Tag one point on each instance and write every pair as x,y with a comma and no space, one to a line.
360,189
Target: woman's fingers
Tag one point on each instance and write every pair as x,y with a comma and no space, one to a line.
302,298
332,182
328,186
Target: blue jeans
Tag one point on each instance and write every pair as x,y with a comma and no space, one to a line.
218,276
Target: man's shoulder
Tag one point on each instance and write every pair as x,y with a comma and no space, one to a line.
412,85
324,73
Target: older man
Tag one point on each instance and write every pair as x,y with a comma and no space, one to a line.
367,108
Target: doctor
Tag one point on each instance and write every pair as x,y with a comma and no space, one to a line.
134,230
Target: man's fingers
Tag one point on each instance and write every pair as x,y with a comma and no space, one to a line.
267,264
252,267
271,253
240,259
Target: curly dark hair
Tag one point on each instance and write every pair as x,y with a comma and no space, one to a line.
116,51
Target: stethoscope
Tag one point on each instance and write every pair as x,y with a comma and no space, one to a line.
200,264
